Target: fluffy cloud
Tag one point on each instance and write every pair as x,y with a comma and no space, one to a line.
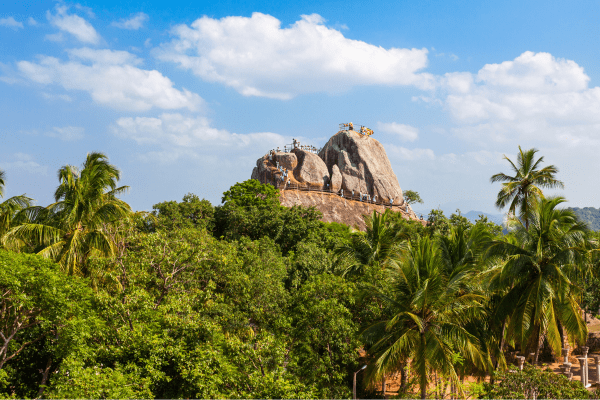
257,57
73,24
535,96
405,154
405,132
24,162
133,23
112,79
10,22
178,135
67,133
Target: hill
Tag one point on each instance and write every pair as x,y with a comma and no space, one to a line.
495,218
590,215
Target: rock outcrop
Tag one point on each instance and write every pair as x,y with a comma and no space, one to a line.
338,209
310,170
336,179
363,164
349,161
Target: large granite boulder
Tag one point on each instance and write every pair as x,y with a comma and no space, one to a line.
363,164
336,179
311,170
263,172
287,160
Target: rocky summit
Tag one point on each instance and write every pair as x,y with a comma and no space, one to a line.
351,168
363,164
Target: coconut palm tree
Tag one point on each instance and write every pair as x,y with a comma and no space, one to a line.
533,272
11,208
379,246
427,311
522,189
73,228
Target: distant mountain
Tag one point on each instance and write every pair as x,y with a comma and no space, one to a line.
590,215
474,215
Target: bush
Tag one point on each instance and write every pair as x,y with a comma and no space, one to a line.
534,383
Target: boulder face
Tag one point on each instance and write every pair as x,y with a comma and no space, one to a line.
363,164
287,160
336,179
311,170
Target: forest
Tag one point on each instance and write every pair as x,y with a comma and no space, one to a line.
249,299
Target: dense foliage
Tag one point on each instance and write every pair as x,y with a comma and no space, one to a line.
249,299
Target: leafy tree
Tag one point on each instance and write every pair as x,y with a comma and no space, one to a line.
38,305
534,268
412,197
534,383
524,188
426,314
250,193
73,229
191,212
326,338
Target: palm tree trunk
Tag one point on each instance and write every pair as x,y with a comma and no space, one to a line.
403,377
538,345
502,333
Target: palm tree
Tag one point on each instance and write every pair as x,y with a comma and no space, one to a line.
534,274
11,209
427,311
523,189
2,177
73,228
379,246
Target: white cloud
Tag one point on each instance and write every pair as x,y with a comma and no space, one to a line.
536,96
73,24
10,22
257,57
67,133
405,132
178,136
32,22
63,97
133,23
104,56
111,80
24,162
405,154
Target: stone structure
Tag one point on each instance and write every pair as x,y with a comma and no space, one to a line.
583,370
596,358
338,209
311,170
348,164
363,164
521,362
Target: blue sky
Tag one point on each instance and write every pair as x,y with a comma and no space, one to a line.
185,97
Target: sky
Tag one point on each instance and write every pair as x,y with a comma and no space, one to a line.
186,97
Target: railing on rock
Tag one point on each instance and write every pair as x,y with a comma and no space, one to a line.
348,196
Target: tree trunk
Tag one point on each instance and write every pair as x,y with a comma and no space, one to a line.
45,374
403,377
537,348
